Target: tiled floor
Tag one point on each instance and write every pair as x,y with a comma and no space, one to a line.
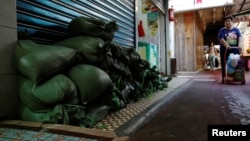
116,119
11,134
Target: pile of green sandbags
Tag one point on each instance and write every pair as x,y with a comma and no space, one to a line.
51,79
79,80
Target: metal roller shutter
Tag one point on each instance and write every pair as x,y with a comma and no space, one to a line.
47,20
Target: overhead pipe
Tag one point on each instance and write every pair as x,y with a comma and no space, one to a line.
242,13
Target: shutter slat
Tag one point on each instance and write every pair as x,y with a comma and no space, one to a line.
47,20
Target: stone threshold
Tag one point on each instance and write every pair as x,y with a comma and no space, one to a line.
62,129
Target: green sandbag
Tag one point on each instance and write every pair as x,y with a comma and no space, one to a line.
37,61
58,90
76,113
118,67
91,48
92,27
90,80
51,115
122,53
95,113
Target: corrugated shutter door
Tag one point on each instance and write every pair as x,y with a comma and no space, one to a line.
47,20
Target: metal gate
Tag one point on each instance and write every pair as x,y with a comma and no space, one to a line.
46,21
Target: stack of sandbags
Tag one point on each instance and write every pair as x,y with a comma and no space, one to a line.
42,85
81,79
93,39
132,74
53,87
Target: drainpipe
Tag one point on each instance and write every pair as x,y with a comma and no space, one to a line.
172,48
171,39
171,33
167,41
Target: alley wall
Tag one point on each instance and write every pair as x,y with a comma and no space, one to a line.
8,30
188,42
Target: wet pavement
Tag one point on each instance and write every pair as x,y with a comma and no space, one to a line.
203,101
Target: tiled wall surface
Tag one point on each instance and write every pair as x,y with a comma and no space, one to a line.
8,38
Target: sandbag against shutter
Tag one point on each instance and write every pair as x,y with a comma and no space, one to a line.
38,61
92,49
90,80
50,115
58,90
92,27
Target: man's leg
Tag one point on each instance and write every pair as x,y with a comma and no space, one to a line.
222,59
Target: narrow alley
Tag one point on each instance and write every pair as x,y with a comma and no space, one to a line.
202,101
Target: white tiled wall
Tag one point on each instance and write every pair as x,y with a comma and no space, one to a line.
8,38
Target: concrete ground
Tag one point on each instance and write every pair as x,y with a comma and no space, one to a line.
200,102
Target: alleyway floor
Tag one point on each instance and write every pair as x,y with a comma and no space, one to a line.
184,109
